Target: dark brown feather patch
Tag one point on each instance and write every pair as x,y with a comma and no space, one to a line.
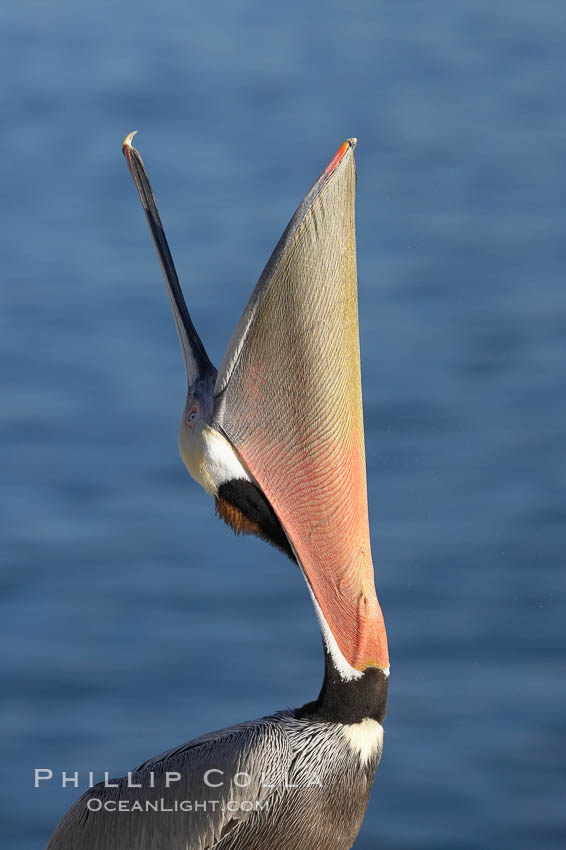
238,522
243,507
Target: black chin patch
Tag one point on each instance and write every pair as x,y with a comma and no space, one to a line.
252,513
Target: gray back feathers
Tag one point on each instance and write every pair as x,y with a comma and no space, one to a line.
277,782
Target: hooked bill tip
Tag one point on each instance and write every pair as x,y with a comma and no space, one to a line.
127,143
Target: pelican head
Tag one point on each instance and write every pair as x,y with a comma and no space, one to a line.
276,435
194,432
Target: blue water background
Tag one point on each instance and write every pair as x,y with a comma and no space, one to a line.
130,618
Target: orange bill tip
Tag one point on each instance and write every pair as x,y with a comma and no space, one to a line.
339,155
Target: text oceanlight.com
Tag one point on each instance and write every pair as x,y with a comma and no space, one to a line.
161,805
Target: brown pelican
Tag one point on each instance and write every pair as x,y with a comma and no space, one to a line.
276,437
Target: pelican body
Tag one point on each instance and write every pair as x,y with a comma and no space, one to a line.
276,437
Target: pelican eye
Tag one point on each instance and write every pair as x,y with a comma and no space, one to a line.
191,417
